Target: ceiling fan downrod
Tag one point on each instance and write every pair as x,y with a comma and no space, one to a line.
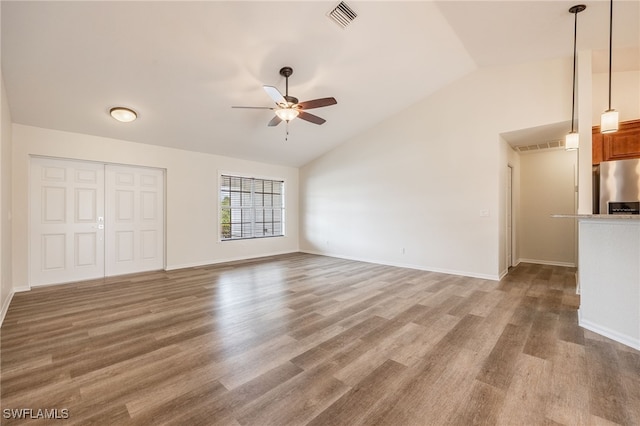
286,73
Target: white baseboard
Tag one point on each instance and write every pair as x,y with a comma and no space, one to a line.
225,260
503,274
547,262
408,265
632,342
5,307
7,302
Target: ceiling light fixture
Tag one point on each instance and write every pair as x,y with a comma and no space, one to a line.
572,140
609,118
287,114
122,114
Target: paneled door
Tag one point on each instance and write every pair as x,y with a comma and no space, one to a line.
135,219
91,220
66,221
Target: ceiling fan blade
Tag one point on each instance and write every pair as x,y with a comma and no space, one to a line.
275,95
274,121
317,103
311,118
251,107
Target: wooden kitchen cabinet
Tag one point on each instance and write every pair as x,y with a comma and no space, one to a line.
621,145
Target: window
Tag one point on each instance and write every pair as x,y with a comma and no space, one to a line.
251,208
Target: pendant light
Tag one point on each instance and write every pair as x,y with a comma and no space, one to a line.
572,140
609,118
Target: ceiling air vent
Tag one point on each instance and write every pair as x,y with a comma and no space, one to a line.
342,15
541,146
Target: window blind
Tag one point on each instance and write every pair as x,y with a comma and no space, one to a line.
251,207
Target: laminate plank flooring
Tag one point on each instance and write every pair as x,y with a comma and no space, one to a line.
302,339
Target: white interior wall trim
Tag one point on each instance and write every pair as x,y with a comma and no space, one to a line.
607,332
407,265
213,262
547,262
5,306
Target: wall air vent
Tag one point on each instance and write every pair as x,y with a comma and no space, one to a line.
342,15
541,146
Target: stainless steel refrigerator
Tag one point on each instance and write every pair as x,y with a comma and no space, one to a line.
620,187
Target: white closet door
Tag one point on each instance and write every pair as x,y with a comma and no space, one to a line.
66,220
134,219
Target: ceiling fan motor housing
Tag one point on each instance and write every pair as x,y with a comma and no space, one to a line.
291,99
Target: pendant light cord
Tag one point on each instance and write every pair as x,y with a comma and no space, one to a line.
610,47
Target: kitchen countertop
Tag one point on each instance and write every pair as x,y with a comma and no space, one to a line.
598,216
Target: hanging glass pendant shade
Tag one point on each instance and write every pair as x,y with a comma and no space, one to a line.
572,140
609,119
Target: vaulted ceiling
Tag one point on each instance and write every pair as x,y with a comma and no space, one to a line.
182,65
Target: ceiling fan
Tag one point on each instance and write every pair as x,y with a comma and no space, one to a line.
287,107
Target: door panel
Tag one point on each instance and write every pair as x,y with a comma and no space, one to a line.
135,219
66,202
54,250
88,220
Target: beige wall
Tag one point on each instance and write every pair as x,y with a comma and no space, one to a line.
411,190
6,284
191,194
547,186
625,95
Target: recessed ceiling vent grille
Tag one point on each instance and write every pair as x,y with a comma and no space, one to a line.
541,146
342,15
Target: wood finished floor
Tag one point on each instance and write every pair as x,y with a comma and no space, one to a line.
303,339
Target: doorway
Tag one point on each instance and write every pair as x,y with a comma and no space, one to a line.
509,217
90,220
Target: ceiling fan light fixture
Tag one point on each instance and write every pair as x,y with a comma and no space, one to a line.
122,114
287,107
287,114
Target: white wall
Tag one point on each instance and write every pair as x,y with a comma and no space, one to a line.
625,95
418,181
6,284
191,193
585,130
547,187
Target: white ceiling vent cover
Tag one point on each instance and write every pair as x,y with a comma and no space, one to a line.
342,15
541,146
